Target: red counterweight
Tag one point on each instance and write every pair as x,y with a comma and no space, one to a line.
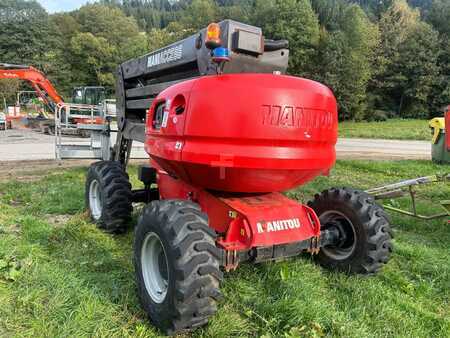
244,132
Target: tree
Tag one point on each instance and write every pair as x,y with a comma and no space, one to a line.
417,71
373,8
25,35
58,63
8,91
103,39
114,26
329,13
280,20
439,16
93,58
199,14
347,61
239,10
175,31
407,62
374,54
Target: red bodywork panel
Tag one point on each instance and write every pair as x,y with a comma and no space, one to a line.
247,221
231,143
447,128
245,132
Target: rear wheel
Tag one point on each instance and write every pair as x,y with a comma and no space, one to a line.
108,196
177,265
365,235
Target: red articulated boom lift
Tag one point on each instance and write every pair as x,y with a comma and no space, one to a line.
226,133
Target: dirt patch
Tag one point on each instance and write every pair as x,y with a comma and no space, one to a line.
21,178
58,220
29,171
13,229
15,203
22,169
373,156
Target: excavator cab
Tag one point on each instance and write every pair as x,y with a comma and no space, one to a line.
88,95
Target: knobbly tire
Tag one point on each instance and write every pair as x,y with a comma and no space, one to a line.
365,233
176,265
108,196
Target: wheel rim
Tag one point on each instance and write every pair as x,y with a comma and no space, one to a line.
347,246
154,267
95,200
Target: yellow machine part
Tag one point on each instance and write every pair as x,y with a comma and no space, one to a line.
437,124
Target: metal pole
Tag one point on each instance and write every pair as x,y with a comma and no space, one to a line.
56,133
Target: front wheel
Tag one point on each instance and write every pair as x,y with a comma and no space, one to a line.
176,265
364,242
108,196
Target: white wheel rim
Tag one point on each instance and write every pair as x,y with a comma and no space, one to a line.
153,264
95,200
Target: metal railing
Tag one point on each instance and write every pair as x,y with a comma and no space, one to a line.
406,188
89,121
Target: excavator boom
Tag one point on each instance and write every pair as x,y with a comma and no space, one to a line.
37,80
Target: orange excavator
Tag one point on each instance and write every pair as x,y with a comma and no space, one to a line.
46,91
37,80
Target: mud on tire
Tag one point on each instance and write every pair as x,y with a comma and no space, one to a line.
366,245
191,275
108,196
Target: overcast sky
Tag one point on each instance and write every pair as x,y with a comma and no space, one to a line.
53,6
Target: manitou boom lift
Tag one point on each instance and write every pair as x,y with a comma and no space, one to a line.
226,132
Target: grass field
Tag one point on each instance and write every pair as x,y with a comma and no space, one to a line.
394,129
61,277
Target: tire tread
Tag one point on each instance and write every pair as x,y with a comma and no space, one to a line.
196,264
375,222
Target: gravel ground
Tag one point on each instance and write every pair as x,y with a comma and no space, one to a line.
26,150
24,144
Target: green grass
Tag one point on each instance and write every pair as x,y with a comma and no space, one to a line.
394,129
66,278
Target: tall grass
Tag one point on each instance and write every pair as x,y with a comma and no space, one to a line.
60,276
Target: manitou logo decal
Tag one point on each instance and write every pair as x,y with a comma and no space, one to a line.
296,117
287,224
168,55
